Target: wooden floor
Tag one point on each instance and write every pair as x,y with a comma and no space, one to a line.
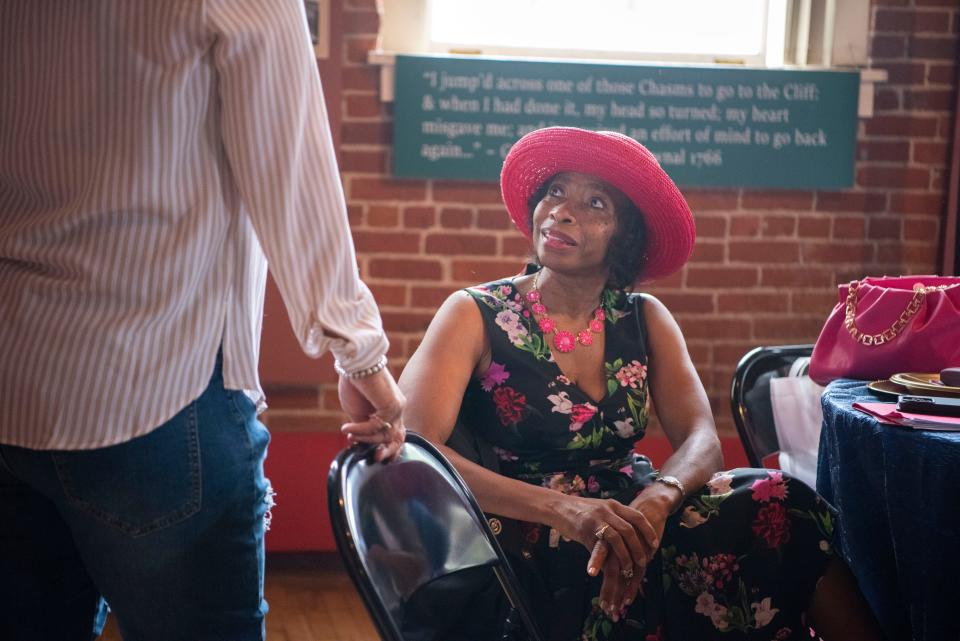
311,599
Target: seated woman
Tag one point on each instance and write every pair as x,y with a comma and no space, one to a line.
554,369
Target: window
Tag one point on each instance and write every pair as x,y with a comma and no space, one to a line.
764,33
680,30
767,33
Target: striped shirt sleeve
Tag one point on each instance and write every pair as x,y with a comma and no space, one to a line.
279,153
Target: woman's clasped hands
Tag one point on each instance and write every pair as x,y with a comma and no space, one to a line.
621,538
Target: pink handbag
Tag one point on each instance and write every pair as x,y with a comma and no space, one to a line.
882,326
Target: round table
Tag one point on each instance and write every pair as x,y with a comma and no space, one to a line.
899,526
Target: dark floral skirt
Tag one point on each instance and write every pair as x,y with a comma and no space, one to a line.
739,560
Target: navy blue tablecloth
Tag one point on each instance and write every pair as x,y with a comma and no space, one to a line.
899,527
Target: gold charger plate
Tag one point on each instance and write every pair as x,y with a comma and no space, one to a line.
886,388
924,384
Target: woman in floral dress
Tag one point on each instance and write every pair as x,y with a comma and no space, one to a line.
556,369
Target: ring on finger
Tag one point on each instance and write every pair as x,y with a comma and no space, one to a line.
627,573
385,426
601,531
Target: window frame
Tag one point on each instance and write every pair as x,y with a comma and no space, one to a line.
810,40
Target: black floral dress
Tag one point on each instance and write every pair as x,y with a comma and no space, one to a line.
739,560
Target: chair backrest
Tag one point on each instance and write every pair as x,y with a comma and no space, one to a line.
401,526
750,397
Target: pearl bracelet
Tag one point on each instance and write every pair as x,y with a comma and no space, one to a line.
361,373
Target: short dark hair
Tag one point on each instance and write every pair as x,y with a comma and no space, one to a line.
624,259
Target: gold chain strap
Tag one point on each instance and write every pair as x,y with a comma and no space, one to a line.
887,335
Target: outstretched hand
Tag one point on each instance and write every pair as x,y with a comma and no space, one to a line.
375,407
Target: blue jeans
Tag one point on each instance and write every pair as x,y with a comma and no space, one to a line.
167,528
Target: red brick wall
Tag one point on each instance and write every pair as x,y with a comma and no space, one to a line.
766,263
764,271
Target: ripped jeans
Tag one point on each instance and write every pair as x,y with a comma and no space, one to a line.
167,528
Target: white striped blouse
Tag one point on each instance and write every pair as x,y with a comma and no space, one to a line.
154,155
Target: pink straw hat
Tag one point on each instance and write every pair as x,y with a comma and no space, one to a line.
618,160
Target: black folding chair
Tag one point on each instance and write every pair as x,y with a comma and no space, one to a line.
750,397
405,526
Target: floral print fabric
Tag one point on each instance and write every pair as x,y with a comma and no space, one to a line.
739,560
523,398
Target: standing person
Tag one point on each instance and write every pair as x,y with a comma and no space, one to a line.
555,371
154,157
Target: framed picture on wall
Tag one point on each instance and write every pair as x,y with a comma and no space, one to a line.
318,21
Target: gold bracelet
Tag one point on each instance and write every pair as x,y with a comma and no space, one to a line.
361,373
674,482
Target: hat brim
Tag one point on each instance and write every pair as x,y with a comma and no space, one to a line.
618,160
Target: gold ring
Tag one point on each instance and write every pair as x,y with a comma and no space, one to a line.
601,531
385,426
627,573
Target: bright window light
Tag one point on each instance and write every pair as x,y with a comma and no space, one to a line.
678,27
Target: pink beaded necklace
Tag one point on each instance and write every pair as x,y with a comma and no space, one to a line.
563,340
